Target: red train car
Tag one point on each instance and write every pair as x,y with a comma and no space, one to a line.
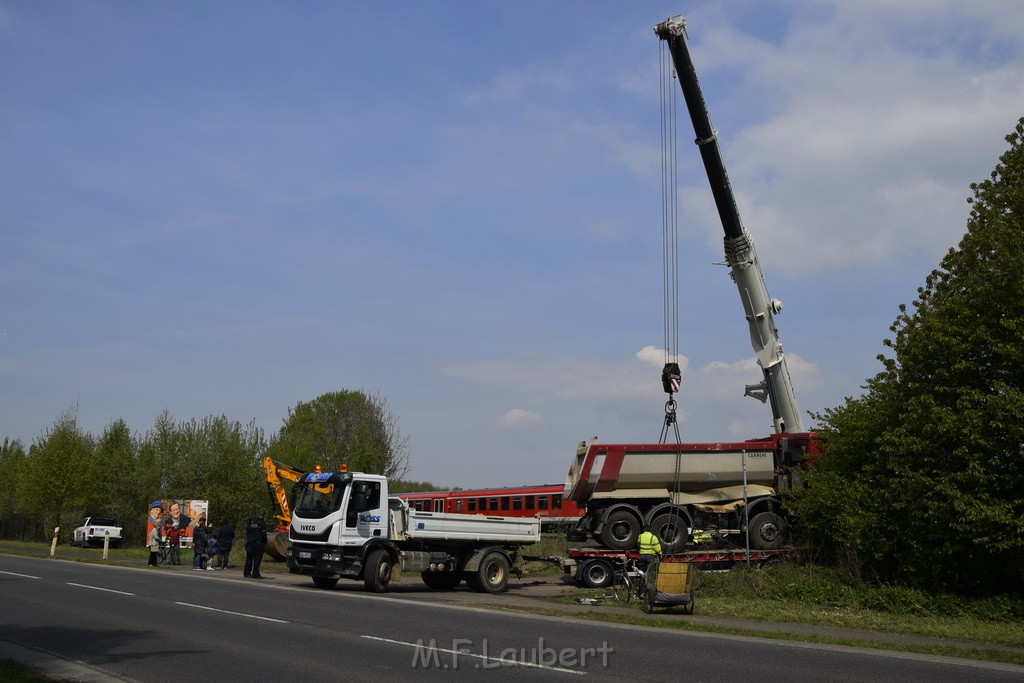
544,501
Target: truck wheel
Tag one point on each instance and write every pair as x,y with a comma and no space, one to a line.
491,576
324,582
377,572
672,531
767,531
620,531
595,574
442,581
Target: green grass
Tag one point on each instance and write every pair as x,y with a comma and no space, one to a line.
988,629
12,672
815,595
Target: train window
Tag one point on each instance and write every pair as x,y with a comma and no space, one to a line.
504,502
439,505
483,504
542,502
471,505
493,504
529,502
556,501
458,505
517,502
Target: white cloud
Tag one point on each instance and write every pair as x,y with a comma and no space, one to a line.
852,148
518,417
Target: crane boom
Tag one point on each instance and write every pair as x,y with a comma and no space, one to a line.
744,267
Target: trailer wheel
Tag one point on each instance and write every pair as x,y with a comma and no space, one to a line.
620,531
324,582
442,581
596,574
492,574
377,573
767,531
649,596
672,531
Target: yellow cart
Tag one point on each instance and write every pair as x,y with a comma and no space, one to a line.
669,584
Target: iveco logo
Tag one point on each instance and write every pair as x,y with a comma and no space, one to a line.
307,527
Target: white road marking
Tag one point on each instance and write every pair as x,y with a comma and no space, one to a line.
237,614
24,576
495,661
97,588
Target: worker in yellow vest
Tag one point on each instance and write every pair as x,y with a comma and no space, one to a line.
650,547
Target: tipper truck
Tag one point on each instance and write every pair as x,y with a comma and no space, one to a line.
344,525
676,488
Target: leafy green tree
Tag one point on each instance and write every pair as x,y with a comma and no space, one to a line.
931,455
212,459
122,491
231,477
54,481
12,459
348,427
163,456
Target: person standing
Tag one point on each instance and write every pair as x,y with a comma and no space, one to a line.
225,539
174,535
153,537
650,547
211,545
198,544
255,542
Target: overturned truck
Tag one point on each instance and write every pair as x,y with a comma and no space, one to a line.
732,489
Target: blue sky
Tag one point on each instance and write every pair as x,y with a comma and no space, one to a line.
231,207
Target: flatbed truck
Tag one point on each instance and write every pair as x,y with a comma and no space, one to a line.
345,525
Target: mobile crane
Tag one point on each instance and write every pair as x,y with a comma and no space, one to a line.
674,488
744,267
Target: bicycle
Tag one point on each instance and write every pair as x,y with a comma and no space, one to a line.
629,582
164,553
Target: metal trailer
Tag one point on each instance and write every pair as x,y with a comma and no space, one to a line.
595,567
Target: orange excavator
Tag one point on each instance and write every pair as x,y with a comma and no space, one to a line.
277,539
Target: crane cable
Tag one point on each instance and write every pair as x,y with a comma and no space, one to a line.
671,375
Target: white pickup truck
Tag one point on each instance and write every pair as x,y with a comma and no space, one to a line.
344,525
93,530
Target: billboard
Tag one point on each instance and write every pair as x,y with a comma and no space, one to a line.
177,513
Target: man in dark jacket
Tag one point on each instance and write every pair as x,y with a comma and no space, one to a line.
225,539
255,541
198,543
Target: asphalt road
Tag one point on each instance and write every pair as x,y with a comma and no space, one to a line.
116,623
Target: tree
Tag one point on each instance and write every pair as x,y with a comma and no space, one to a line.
122,491
12,458
348,427
55,479
931,455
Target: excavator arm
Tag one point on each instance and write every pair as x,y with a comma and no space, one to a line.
277,471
